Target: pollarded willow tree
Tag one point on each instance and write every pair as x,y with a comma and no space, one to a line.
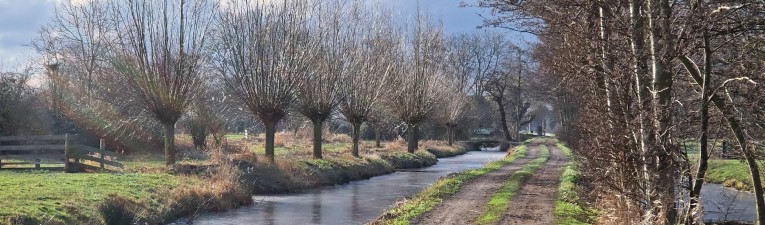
335,58
263,53
375,44
159,54
453,105
416,88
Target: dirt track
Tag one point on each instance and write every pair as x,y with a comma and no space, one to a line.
535,201
465,206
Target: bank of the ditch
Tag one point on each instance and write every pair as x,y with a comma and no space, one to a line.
45,197
404,212
731,173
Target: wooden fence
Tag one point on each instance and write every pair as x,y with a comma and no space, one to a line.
59,149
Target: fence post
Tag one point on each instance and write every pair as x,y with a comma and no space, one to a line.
67,153
102,146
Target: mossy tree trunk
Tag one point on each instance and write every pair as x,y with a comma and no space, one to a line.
317,125
413,138
450,133
270,133
377,137
355,136
169,132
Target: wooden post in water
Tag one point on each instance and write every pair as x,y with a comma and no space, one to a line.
67,153
102,146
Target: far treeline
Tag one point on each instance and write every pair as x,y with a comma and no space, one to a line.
132,71
639,81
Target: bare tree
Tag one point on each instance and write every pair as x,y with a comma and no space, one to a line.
375,45
13,89
86,95
416,84
504,87
263,53
453,107
159,54
336,56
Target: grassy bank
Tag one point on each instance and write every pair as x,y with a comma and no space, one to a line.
147,192
500,202
445,151
404,212
405,160
730,173
567,207
45,197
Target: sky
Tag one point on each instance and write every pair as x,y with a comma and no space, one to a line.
20,20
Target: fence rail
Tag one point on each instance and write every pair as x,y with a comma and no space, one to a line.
27,150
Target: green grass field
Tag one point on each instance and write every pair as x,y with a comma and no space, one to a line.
731,173
58,197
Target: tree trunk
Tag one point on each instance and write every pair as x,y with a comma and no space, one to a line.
450,134
503,119
317,125
412,142
270,133
356,134
695,194
377,137
169,143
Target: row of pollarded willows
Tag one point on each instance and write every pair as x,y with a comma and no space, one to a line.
129,70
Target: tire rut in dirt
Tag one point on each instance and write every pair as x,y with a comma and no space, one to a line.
534,203
467,204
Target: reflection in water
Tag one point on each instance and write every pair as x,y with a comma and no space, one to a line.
316,209
726,204
269,211
354,207
354,203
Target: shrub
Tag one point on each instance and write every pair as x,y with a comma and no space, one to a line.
118,210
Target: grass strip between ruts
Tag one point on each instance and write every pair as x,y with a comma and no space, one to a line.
500,202
426,200
567,211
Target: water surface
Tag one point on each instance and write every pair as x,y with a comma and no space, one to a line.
727,204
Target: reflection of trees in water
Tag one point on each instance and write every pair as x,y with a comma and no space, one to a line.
725,207
355,211
269,210
316,208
